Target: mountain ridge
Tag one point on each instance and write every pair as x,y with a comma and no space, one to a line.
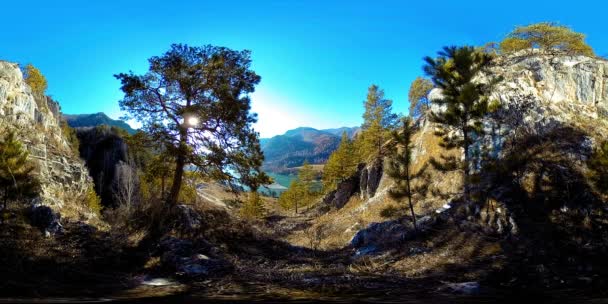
96,119
301,144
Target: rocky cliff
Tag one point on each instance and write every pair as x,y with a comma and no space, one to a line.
35,120
552,113
104,152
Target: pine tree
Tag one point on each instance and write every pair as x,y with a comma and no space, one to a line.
378,120
253,206
378,108
194,101
341,164
292,196
546,36
16,178
399,166
465,103
418,96
308,178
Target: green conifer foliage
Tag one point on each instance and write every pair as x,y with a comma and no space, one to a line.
341,164
253,208
598,163
399,167
464,100
16,176
547,36
378,120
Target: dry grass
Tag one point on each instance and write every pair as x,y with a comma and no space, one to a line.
449,251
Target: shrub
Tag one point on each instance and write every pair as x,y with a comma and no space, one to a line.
35,79
70,134
253,207
16,178
390,212
598,163
92,200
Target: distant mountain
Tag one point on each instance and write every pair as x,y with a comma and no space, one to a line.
93,120
351,132
302,144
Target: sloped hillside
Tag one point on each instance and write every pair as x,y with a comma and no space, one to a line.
534,206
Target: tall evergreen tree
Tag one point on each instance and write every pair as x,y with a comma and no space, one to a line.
418,96
465,102
253,207
16,178
307,176
341,164
378,120
302,191
195,102
378,108
399,166
293,197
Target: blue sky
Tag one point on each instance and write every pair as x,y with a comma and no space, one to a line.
316,58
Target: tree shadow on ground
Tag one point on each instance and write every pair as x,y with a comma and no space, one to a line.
560,229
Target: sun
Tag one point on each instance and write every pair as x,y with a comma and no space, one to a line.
192,121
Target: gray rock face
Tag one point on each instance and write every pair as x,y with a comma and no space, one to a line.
35,121
541,92
339,197
373,177
365,181
188,219
104,152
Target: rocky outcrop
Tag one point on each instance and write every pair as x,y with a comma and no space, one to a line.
377,235
45,219
370,177
364,181
104,152
35,120
338,197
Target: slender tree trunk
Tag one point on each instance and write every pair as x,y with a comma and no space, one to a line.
465,181
409,197
180,162
162,187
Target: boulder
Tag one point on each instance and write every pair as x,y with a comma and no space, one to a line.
379,234
43,218
191,260
465,288
188,219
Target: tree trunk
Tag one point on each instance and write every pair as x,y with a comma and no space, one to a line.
409,197
180,162
465,181
162,187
